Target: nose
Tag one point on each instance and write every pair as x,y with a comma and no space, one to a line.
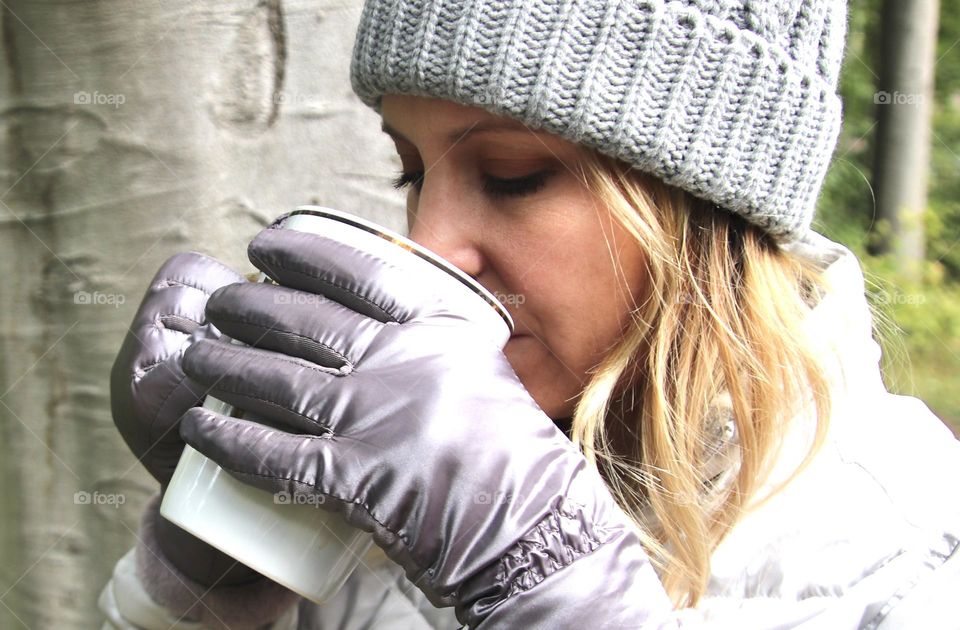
442,222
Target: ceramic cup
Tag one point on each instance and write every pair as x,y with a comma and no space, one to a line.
290,538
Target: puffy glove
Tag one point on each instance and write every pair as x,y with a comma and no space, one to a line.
148,389
149,392
388,402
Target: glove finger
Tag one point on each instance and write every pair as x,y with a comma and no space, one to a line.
193,270
148,389
267,458
366,273
278,387
146,400
173,308
304,325
162,326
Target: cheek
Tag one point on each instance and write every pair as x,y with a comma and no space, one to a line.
546,377
580,300
561,347
587,293
580,325
578,277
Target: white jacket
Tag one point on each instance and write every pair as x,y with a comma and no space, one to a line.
866,536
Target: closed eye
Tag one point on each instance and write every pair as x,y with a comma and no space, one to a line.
493,186
407,178
517,186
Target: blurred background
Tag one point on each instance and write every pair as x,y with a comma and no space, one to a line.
893,190
132,131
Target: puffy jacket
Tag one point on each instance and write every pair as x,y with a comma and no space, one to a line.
866,536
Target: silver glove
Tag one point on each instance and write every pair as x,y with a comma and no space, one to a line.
148,389
387,400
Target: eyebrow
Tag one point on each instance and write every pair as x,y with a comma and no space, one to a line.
487,126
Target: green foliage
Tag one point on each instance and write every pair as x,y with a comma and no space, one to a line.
919,329
847,202
948,48
943,218
922,340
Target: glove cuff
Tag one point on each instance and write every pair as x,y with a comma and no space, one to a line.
564,535
253,605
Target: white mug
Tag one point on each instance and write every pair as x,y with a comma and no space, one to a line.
290,538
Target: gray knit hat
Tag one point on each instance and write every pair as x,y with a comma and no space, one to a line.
732,100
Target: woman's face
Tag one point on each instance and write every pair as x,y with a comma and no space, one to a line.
503,203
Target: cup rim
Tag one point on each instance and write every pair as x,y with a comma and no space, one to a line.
413,247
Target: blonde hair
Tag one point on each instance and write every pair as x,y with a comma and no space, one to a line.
717,335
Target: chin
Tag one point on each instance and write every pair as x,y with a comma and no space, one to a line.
535,369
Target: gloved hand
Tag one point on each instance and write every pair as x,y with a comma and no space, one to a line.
405,418
149,393
148,389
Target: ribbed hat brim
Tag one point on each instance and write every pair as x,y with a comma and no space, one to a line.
711,108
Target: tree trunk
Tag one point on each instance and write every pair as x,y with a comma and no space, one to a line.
905,105
131,131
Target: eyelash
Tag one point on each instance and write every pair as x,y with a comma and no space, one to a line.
405,179
493,186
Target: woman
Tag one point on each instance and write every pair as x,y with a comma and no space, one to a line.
689,426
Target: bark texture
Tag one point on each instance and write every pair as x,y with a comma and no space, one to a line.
130,131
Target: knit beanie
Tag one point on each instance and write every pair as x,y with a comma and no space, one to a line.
733,101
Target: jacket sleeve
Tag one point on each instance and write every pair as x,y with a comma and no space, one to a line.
931,603
146,592
913,590
376,595
555,580
551,586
